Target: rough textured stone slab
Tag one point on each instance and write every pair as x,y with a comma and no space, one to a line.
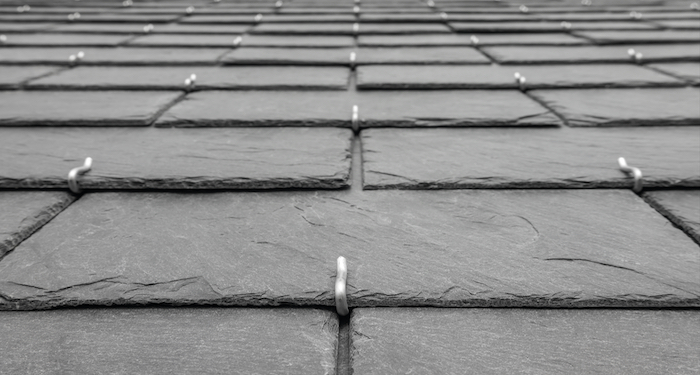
421,55
528,158
682,207
172,40
64,40
304,28
294,18
509,341
534,248
178,28
25,26
104,28
24,212
400,17
581,16
11,76
534,39
687,71
261,108
219,19
132,18
633,107
679,24
170,341
589,54
618,37
112,56
82,108
244,158
450,108
419,40
630,25
499,27
243,77
297,41
491,17
288,56
402,28
497,76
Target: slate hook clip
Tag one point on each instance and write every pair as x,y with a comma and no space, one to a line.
636,173
355,119
520,80
341,298
75,172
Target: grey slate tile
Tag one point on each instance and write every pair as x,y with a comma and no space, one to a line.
402,28
533,39
111,56
628,107
509,341
418,40
491,17
105,28
172,78
131,18
170,341
445,108
24,212
292,18
288,56
261,108
611,25
323,41
679,24
661,36
219,19
528,158
11,76
184,40
687,71
64,40
591,54
178,28
25,26
682,207
500,27
82,108
242,158
534,248
399,17
498,76
304,28
420,55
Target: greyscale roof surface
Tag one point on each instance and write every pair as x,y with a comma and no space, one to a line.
461,155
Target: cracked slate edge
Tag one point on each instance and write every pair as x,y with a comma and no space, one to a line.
33,222
507,183
671,216
543,119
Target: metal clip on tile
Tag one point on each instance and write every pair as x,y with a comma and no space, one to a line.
74,59
586,3
73,16
356,9
258,18
279,4
474,40
443,15
189,10
23,8
431,3
3,39
75,172
524,9
520,80
148,28
636,173
353,57
341,298
127,3
356,28
355,119
635,56
566,25
635,15
190,82
695,6
237,41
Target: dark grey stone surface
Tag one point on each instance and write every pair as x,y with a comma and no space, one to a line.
82,108
288,56
450,108
656,36
682,207
525,39
24,212
320,28
298,41
169,341
529,158
292,18
178,28
591,54
421,55
219,19
64,39
184,40
418,40
11,76
399,17
261,108
631,107
112,56
104,28
679,24
500,27
239,77
25,26
510,341
243,158
534,248
402,28
133,18
688,71
612,25
497,76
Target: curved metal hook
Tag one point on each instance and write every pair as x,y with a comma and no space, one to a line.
636,173
341,298
75,172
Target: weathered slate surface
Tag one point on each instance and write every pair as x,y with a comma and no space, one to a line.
244,158
500,27
509,341
589,54
104,28
64,40
419,40
261,108
292,18
450,108
528,158
178,28
421,55
400,17
219,19
112,56
242,77
185,40
298,41
688,71
170,341
304,28
534,39
25,26
11,76
497,76
682,207
402,28
611,25
24,212
288,56
631,107
679,24
535,248
82,108
657,36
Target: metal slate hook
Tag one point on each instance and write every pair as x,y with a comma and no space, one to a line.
520,80
341,298
636,173
75,172
355,118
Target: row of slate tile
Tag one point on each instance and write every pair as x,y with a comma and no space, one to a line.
319,158
469,248
376,108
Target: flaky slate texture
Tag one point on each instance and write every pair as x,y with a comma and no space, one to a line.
180,40
112,56
450,108
12,76
170,341
421,55
624,107
682,207
509,341
82,108
261,108
64,39
24,212
288,56
528,158
592,54
688,71
242,158
655,36
404,248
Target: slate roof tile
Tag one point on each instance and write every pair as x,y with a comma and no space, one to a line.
12,76
682,207
64,40
592,54
687,71
291,56
111,56
420,55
